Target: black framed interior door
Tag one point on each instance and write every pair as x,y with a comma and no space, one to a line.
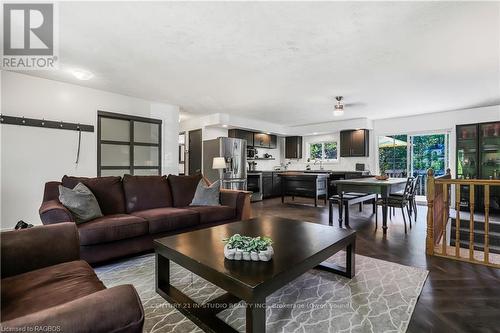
195,152
128,145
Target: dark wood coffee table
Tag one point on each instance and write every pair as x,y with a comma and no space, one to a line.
298,247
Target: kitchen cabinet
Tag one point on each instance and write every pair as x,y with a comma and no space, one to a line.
261,140
267,185
273,144
242,134
264,140
276,184
478,157
307,185
354,143
293,147
258,140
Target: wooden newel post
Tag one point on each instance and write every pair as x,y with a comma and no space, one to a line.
429,242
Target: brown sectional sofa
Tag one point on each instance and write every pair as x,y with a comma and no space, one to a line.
138,209
46,287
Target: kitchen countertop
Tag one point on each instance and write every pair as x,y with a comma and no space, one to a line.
308,171
302,174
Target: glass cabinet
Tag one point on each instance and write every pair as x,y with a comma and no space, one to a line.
478,157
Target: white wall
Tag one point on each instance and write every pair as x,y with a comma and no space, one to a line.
210,132
278,155
31,156
439,122
343,163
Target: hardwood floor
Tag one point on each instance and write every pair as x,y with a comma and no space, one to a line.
457,296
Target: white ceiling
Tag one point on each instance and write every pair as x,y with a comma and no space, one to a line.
284,62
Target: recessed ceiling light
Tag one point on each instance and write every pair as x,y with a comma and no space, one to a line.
315,133
82,74
225,126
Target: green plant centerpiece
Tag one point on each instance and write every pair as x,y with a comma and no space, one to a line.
240,247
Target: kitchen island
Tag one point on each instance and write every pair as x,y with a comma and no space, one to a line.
304,184
266,184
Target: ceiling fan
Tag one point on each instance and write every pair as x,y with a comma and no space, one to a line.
339,106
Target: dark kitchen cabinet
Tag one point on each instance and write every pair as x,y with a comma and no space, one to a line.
478,157
345,143
264,140
241,134
293,147
273,144
261,140
267,185
276,184
354,143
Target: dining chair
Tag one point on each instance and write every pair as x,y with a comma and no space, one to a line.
398,201
413,201
411,198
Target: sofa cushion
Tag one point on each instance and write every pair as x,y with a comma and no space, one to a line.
183,188
206,195
111,228
47,287
209,214
81,202
146,192
168,219
107,190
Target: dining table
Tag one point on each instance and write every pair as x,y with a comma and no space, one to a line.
371,185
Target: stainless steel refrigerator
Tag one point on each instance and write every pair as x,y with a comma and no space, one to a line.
234,176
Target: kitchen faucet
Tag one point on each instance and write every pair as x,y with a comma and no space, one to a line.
320,164
285,165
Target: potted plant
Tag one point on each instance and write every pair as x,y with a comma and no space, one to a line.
248,248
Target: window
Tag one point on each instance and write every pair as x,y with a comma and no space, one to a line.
393,155
128,145
403,155
326,151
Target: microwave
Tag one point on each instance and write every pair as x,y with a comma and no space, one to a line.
251,152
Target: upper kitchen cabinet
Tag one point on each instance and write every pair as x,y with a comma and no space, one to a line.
354,143
241,134
258,140
263,140
293,147
273,144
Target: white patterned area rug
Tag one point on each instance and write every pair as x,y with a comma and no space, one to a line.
380,298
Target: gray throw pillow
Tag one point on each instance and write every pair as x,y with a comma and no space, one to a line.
206,195
81,202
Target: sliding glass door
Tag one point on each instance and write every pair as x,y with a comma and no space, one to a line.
393,155
411,155
428,151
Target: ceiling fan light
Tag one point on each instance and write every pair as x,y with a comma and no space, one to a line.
338,112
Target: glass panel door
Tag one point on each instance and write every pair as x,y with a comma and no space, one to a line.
489,159
393,155
428,151
467,152
128,144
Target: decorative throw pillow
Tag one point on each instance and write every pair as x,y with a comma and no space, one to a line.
183,188
81,202
206,195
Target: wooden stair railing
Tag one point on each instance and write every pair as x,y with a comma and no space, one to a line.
438,215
